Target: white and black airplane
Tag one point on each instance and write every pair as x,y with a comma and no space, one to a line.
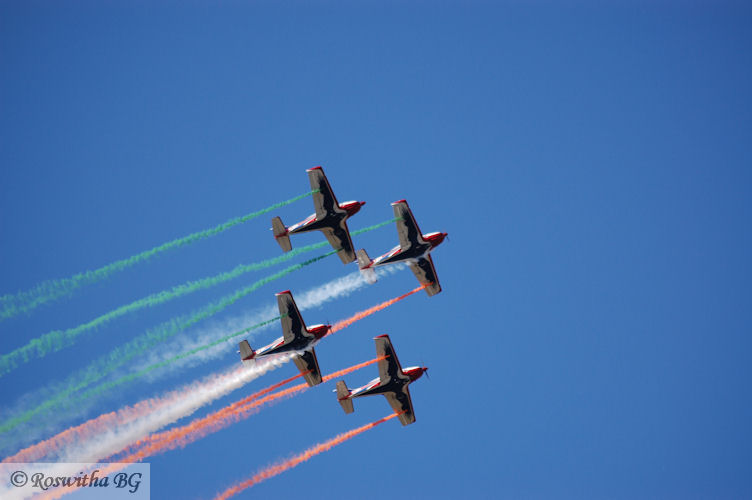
392,383
330,218
296,338
414,248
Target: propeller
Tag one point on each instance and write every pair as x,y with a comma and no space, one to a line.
425,369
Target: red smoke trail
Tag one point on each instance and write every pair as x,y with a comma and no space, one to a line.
279,468
340,325
181,436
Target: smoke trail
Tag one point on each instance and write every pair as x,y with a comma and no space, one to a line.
340,325
206,346
136,347
264,474
188,393
52,445
203,348
13,304
137,421
281,467
106,435
181,436
58,339
201,427
166,440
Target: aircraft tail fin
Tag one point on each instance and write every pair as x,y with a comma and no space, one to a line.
364,263
280,234
246,352
343,395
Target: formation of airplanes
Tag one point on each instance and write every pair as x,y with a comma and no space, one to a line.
414,248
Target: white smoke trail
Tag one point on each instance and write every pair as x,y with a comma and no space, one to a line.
53,421
335,289
156,413
99,441
138,421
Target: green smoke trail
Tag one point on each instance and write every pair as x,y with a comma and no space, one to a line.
140,345
106,386
21,302
58,339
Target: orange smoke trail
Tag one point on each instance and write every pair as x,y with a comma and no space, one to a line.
166,435
71,435
180,437
201,427
340,325
273,470
163,441
107,421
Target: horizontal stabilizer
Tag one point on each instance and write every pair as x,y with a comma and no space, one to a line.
246,352
343,394
280,234
364,264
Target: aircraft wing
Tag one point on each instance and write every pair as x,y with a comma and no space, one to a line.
339,238
389,368
426,274
401,403
309,367
292,322
407,229
323,197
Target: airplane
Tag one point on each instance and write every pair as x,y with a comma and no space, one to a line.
414,248
296,338
330,218
392,383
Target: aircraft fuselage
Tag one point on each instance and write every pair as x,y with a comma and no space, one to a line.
317,332
415,252
395,384
330,220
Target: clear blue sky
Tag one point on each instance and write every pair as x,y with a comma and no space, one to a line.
590,162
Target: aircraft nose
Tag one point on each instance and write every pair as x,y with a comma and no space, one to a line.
362,203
